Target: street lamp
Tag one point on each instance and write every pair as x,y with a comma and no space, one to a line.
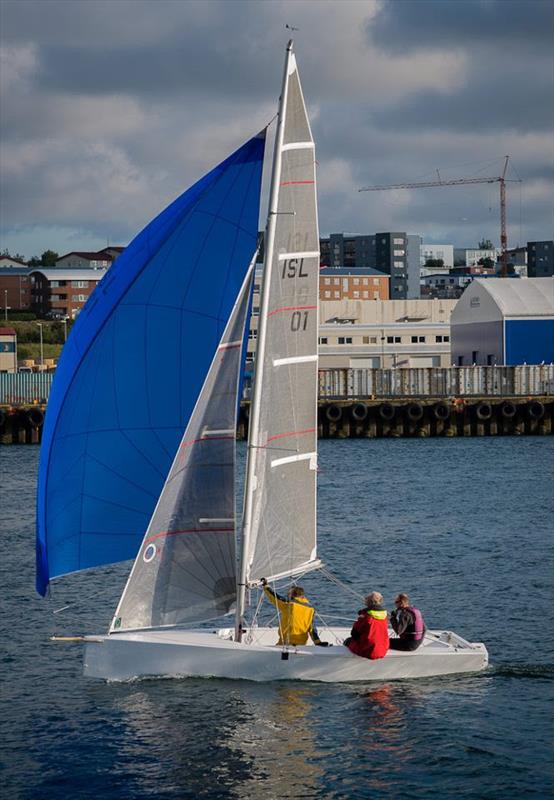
6,305
41,347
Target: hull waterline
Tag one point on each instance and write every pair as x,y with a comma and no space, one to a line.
201,653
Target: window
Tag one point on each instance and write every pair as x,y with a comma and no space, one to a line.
490,360
460,361
397,339
474,354
446,338
356,294
79,284
399,253
337,294
345,340
421,338
323,340
398,241
356,281
78,298
390,339
399,264
438,338
375,295
252,334
366,294
336,281
364,281
327,281
414,339
54,284
327,294
256,309
376,281
365,339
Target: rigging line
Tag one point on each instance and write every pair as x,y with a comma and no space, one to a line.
342,585
325,625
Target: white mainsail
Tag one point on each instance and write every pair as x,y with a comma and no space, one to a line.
185,568
279,528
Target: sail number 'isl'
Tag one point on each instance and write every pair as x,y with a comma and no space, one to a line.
293,268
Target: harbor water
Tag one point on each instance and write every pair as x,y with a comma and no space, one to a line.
464,526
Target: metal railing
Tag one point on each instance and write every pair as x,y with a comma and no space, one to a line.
495,381
19,388
527,380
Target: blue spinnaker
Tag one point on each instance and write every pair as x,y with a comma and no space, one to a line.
133,367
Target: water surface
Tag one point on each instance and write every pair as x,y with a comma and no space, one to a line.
465,526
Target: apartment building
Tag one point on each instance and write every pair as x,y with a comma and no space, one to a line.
351,283
438,252
62,292
395,253
540,259
102,259
15,288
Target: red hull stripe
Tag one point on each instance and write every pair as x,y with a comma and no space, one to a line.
295,183
290,308
290,433
162,534
228,346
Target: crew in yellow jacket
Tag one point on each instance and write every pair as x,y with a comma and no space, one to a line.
296,616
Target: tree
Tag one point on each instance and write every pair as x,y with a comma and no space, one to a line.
437,263
49,258
17,257
488,263
486,244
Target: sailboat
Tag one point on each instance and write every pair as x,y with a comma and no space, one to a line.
119,480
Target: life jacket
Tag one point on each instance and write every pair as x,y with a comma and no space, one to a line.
370,634
419,627
296,617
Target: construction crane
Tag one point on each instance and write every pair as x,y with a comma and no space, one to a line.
502,180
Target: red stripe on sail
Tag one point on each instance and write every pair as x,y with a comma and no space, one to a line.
290,433
295,183
162,534
290,308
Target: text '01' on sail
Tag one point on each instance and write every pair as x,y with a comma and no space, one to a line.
134,365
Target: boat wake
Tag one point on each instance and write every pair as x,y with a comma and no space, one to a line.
535,671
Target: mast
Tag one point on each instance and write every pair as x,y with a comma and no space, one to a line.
253,432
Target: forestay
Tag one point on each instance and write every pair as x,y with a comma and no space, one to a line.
283,443
134,365
185,568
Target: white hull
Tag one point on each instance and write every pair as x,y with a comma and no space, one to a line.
213,654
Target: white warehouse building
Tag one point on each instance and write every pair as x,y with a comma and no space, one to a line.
505,321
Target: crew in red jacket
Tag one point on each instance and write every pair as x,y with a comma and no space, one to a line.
369,636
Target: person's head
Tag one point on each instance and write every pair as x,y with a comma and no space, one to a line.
374,599
296,591
401,600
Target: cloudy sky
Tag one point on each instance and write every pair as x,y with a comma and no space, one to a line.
111,108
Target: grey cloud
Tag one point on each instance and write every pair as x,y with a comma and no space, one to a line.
405,25
129,102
